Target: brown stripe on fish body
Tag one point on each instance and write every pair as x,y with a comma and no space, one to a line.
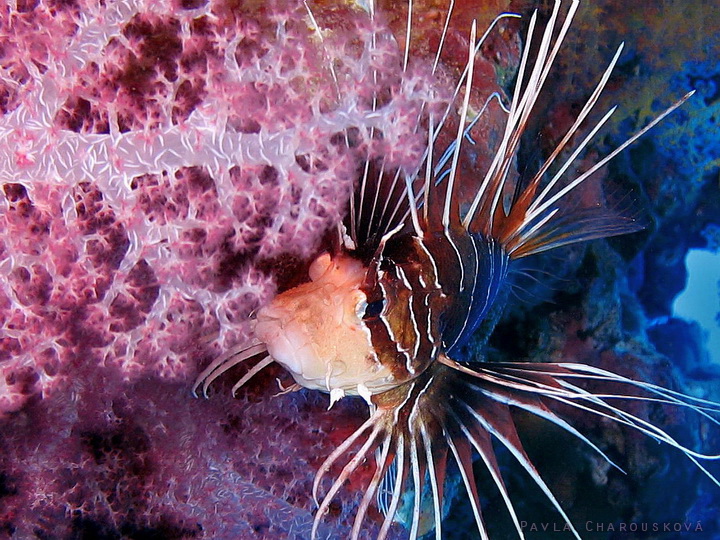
406,334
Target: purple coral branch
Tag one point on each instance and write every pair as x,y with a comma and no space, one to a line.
156,163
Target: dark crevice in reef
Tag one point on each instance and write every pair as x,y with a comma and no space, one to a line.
83,528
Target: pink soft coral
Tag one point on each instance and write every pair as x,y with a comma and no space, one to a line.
152,160
157,160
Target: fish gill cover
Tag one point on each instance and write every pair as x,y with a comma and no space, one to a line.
164,167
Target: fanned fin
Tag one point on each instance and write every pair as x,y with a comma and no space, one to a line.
455,410
540,215
228,360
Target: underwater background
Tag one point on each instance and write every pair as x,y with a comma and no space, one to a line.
646,305
133,250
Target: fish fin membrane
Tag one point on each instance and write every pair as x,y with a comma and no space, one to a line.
454,414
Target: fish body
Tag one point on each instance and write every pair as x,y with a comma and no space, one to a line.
357,330
410,278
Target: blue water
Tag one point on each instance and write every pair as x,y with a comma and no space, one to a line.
700,301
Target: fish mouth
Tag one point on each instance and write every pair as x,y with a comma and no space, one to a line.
268,314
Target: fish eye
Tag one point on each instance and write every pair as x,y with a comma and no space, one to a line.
373,309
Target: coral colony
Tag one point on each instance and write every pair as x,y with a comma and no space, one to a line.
156,158
152,155
146,157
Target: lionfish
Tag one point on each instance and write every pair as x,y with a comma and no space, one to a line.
414,272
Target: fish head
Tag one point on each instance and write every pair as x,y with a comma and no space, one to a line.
355,328
317,333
